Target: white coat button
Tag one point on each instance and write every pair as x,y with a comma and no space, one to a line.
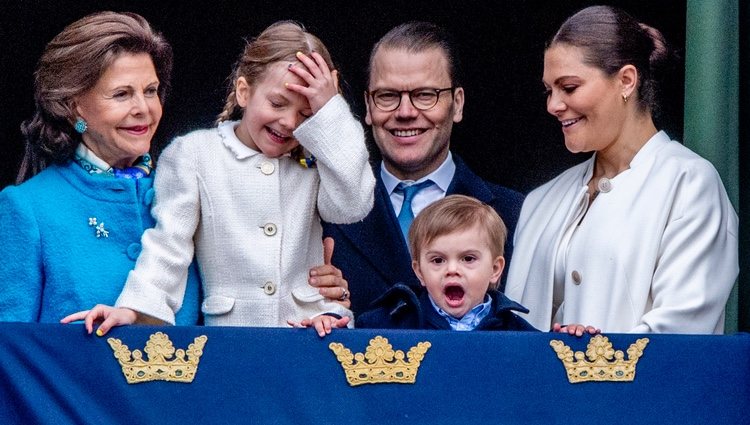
604,185
269,229
576,277
269,288
267,168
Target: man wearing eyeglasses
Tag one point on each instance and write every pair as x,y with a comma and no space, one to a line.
413,99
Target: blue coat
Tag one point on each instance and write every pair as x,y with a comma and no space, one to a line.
373,255
401,308
53,262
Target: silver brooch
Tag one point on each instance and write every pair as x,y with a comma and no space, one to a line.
100,231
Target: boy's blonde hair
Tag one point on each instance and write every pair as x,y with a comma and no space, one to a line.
454,213
279,42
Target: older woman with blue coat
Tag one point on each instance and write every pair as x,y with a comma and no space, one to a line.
71,229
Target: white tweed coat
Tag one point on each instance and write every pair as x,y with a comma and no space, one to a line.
253,222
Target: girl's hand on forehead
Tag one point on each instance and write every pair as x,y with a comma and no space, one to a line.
322,83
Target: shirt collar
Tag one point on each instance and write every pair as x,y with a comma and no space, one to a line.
441,177
471,320
90,162
230,140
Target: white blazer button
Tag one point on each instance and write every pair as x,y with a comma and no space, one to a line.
267,168
576,277
269,288
269,229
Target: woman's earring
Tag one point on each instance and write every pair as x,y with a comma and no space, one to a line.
81,125
625,97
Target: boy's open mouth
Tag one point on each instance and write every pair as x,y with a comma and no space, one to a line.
454,295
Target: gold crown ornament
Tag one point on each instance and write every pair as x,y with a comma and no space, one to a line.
160,365
603,364
380,364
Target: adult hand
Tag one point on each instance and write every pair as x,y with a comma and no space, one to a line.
329,279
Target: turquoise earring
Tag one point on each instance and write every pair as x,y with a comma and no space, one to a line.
81,125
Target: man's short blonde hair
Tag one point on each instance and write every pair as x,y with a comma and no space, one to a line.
454,213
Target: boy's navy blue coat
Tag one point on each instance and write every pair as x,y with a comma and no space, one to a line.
372,254
402,308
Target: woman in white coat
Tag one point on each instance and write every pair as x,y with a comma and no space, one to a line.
641,237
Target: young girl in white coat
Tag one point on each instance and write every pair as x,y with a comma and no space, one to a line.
246,200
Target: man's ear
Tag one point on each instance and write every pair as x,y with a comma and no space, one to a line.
458,104
368,118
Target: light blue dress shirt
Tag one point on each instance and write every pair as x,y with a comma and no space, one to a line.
441,178
471,319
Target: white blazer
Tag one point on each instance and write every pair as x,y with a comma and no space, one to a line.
657,253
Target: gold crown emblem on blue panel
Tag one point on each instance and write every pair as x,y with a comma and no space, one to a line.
164,362
600,362
380,364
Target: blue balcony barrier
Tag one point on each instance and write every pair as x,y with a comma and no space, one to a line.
58,374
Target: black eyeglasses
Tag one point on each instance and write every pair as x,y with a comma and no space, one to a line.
424,98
